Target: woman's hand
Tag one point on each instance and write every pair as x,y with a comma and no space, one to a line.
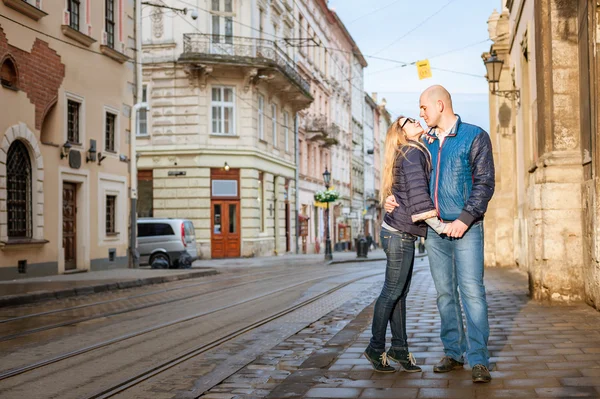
446,228
390,204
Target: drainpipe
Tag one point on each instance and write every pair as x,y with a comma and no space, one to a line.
297,178
133,256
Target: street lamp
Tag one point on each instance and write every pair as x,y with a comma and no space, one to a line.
328,255
493,66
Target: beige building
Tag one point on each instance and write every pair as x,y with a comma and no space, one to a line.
544,117
219,145
65,96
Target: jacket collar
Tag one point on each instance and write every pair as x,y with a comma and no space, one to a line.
431,133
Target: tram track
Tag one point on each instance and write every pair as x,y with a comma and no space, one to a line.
68,355
126,310
190,354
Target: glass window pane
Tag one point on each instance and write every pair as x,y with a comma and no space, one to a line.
228,120
224,188
216,123
216,94
232,218
228,95
217,219
215,5
229,30
228,5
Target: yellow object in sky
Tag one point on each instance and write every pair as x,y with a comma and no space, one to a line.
424,69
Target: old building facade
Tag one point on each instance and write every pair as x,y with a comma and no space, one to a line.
544,216
64,167
219,147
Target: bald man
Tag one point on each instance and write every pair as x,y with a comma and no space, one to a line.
461,185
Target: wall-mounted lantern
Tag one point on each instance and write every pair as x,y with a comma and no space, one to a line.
64,151
493,66
91,153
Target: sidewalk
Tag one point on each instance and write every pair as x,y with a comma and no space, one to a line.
537,349
36,289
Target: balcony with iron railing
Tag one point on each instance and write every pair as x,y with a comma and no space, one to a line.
244,51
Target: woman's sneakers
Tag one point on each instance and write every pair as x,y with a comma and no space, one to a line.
405,359
379,360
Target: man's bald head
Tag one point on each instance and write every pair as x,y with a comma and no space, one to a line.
436,106
438,93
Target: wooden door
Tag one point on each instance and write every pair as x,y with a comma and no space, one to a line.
225,229
70,225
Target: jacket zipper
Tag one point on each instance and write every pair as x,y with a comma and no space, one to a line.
437,178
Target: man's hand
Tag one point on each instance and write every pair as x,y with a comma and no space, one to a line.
390,203
456,229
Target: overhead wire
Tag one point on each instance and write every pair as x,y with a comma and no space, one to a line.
416,27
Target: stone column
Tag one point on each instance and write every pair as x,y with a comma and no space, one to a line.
555,219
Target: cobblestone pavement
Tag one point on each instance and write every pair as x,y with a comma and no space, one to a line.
539,350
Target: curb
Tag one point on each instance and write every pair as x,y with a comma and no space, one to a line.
38,296
360,260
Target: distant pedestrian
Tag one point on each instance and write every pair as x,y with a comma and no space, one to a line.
369,241
406,177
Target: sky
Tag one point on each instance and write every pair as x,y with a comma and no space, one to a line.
408,31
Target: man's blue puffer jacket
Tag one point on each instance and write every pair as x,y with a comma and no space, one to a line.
462,180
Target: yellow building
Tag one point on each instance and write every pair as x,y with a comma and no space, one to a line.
66,95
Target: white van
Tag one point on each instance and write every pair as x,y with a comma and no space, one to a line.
165,238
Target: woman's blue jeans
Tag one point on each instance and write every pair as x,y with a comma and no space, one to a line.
391,305
457,267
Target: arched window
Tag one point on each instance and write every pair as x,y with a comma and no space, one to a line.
18,171
8,74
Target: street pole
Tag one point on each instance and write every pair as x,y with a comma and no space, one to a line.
328,255
297,181
134,260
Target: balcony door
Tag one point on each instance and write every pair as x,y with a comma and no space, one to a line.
222,27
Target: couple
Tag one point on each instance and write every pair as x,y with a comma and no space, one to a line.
435,185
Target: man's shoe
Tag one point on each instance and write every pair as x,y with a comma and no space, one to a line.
481,373
405,359
447,364
379,360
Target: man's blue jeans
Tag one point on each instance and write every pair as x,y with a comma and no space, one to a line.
391,305
457,266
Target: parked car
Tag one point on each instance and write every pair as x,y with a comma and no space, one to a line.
165,241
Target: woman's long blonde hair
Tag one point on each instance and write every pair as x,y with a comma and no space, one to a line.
395,146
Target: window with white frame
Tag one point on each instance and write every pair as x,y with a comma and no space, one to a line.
75,12
74,110
109,22
223,107
261,117
110,131
286,130
143,114
274,123
111,214
222,21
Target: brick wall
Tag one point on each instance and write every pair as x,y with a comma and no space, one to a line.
40,74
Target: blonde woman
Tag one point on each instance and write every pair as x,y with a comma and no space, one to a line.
406,176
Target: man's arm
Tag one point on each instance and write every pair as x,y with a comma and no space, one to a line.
482,165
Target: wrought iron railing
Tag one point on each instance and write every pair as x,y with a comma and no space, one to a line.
227,47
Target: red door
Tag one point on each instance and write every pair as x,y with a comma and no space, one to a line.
225,229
